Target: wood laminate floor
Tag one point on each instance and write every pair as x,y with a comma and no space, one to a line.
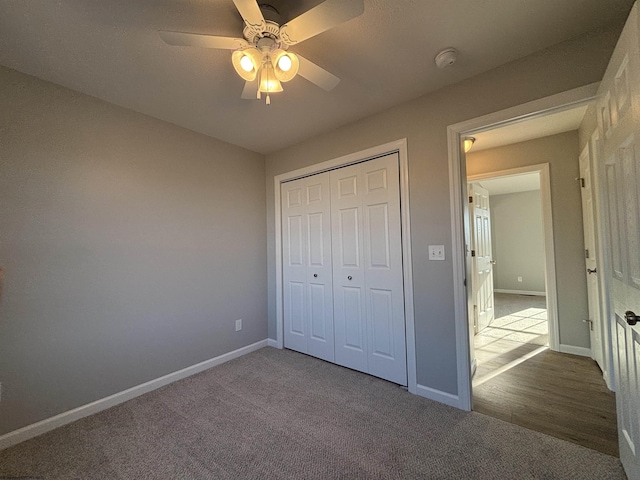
555,393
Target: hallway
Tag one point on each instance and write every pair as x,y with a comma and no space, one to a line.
521,381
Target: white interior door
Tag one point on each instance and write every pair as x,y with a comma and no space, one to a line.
367,269
307,279
619,128
591,261
482,261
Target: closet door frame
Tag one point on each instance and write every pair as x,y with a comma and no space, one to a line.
399,147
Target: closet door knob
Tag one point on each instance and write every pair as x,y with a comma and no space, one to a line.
315,275
349,277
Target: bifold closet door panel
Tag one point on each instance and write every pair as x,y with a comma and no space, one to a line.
307,281
367,268
382,264
349,311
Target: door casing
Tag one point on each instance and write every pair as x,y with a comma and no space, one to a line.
399,146
458,196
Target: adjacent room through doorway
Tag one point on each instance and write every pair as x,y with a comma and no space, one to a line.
518,325
523,372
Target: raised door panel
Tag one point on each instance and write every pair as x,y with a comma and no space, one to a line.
354,325
296,306
295,241
349,237
381,308
630,171
617,264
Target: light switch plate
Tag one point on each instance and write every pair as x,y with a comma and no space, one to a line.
436,252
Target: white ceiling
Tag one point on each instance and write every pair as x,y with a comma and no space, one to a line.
552,124
525,182
111,50
521,131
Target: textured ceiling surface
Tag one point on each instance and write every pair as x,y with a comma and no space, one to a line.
111,50
550,124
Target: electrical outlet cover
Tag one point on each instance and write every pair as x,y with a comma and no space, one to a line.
436,252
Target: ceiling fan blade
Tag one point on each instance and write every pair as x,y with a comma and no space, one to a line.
318,75
328,14
251,14
250,90
185,39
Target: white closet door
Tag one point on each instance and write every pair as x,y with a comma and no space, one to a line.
367,269
308,291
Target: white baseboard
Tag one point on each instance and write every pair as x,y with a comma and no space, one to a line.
582,351
520,292
272,343
438,396
35,429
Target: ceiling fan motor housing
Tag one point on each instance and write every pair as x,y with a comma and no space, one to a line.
271,28
252,34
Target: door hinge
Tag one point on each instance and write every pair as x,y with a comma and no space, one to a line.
473,253
581,180
470,199
586,253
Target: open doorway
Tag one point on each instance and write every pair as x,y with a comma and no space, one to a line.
515,326
529,385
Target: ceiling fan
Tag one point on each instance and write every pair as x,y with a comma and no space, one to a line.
261,57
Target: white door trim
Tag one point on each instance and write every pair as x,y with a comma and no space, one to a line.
458,195
547,231
399,146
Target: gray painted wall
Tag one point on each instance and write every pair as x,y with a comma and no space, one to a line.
517,241
424,122
130,246
561,153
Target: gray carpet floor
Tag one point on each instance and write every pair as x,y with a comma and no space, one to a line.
282,415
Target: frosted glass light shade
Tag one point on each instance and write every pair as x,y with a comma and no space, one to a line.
269,83
285,65
247,63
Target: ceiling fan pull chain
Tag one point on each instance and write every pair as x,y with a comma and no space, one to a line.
268,99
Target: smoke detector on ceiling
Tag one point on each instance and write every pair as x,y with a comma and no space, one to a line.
446,57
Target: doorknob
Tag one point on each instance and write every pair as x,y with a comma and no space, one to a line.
349,277
315,275
590,271
631,317
590,322
492,262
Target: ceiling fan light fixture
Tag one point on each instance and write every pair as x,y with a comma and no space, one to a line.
247,63
285,65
